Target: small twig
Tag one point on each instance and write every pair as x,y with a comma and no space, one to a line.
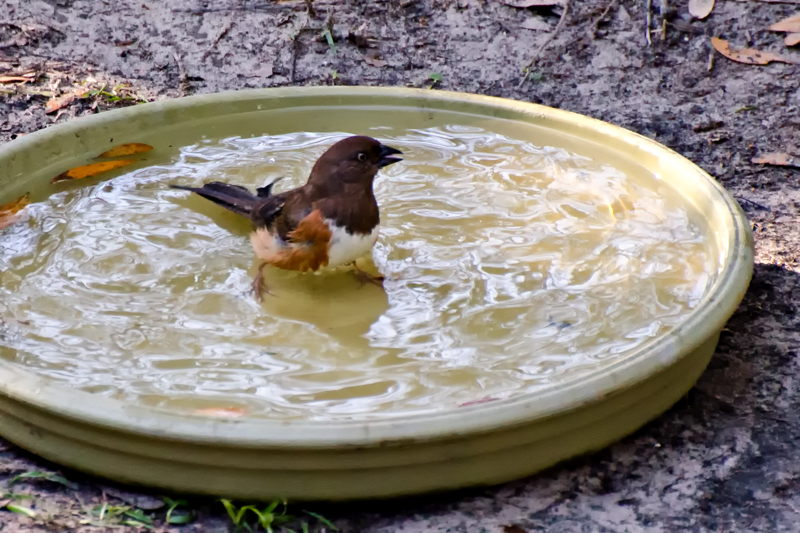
745,201
663,9
222,34
281,6
648,21
184,86
546,43
204,10
598,20
295,46
711,55
770,1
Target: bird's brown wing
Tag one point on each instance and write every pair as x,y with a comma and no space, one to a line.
308,245
266,211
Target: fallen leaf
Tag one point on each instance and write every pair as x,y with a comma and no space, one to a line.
21,509
514,529
56,103
789,25
777,158
87,171
42,475
700,9
374,62
536,24
708,125
533,3
791,39
127,149
746,55
8,212
11,79
221,412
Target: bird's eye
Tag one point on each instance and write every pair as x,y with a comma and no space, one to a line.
361,156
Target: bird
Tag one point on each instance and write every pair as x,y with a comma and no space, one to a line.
331,220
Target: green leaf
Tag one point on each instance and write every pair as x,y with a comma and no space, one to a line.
19,509
180,518
235,517
17,497
322,519
265,519
136,523
272,506
138,514
435,77
47,476
328,37
183,518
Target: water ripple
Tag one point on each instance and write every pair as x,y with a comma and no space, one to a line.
511,266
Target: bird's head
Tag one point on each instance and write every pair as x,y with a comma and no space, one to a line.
355,159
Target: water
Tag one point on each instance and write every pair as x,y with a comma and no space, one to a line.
511,267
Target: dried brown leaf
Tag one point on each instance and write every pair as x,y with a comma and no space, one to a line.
746,55
789,24
533,3
700,9
87,171
777,158
536,24
221,412
11,79
8,212
127,149
791,39
56,103
374,62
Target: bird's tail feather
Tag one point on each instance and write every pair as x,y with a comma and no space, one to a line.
232,197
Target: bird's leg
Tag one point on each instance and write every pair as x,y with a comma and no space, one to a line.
259,288
365,277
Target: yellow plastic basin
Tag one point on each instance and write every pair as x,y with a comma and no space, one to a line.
475,445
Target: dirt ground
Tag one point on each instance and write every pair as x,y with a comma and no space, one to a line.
725,458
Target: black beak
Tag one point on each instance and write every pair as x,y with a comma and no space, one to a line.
386,156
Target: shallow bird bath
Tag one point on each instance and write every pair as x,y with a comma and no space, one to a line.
554,282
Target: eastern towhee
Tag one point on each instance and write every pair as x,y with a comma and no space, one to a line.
332,220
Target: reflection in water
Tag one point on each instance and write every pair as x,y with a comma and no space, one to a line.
512,267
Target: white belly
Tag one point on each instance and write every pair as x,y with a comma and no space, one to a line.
345,248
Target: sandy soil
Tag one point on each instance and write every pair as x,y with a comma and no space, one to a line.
724,458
